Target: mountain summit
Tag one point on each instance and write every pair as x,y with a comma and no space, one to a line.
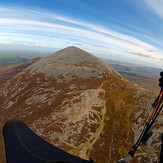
78,103
72,62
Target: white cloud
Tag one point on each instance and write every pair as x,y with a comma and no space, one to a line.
126,42
97,29
156,5
43,27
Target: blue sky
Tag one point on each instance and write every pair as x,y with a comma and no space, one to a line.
124,30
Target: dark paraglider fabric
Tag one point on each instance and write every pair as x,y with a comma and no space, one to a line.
161,80
24,146
161,85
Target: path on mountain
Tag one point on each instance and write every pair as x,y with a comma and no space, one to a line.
84,148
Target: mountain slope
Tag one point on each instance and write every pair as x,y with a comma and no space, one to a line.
72,62
147,77
77,102
7,72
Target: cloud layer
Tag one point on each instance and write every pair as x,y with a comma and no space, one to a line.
46,29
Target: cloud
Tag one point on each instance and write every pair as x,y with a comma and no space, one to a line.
153,40
47,29
156,6
74,43
99,29
151,51
101,46
140,54
80,25
95,35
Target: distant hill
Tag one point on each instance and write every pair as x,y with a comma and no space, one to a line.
79,103
7,72
6,61
145,76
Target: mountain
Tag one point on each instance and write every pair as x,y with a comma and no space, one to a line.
7,72
80,104
6,60
145,76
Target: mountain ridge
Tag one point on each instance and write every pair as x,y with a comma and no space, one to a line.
80,63
80,114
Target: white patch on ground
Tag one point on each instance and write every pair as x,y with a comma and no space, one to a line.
43,97
36,99
10,103
84,112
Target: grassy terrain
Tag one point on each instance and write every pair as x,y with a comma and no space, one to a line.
6,61
147,77
103,109
7,72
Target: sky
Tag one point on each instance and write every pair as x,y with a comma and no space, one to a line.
123,30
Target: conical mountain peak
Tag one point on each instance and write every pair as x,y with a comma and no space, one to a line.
71,52
72,92
72,61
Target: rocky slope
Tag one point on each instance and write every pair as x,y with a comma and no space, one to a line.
7,72
78,103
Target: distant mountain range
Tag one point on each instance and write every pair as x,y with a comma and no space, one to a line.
79,103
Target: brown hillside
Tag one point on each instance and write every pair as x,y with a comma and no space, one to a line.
7,72
78,103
